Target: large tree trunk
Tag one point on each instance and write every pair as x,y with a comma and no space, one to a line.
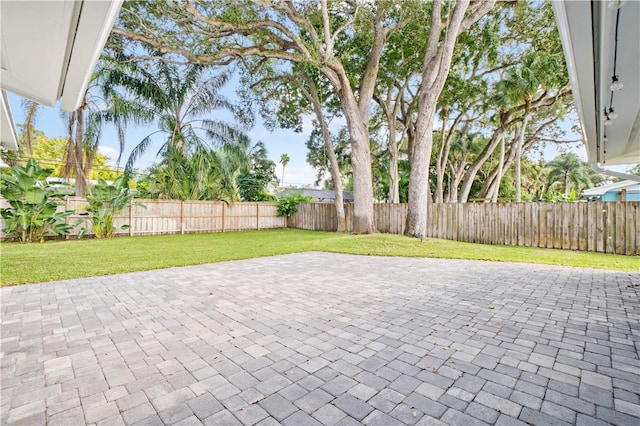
390,108
360,163
441,162
394,175
436,65
335,176
496,189
520,142
360,154
495,176
394,105
362,178
419,192
341,226
458,169
458,174
357,115
443,154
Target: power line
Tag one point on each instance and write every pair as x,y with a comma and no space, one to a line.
57,161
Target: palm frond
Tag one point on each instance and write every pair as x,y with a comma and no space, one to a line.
137,152
204,98
221,133
92,133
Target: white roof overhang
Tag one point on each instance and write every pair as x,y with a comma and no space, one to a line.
50,49
600,190
9,138
588,33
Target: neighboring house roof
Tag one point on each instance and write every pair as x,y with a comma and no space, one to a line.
318,194
50,50
601,190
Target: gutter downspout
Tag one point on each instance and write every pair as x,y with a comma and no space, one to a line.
596,167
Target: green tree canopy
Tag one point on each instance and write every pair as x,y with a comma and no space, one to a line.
567,172
49,152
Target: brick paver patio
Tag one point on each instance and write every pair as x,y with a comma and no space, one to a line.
321,338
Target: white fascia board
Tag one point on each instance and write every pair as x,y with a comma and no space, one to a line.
94,26
8,136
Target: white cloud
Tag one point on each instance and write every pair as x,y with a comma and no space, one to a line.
110,152
307,125
337,123
298,175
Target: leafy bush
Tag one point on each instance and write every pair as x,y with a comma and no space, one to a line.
287,206
32,213
252,185
265,196
104,201
553,197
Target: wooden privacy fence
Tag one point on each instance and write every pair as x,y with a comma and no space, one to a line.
150,217
602,227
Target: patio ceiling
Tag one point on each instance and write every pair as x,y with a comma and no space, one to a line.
588,33
49,51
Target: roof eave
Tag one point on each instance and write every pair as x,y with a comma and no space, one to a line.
87,48
8,136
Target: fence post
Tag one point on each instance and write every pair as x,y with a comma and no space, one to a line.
258,216
66,219
182,217
223,204
131,204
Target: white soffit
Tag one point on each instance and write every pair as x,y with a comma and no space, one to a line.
50,48
35,38
94,26
587,30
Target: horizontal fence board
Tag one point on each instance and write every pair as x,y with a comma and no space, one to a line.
607,227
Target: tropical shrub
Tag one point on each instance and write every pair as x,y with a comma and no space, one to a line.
252,185
33,212
106,200
287,206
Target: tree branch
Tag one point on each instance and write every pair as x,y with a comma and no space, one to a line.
478,10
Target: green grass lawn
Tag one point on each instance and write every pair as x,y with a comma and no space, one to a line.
56,260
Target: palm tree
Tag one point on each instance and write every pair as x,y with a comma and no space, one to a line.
31,112
102,103
284,160
83,136
568,172
199,157
177,98
538,72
